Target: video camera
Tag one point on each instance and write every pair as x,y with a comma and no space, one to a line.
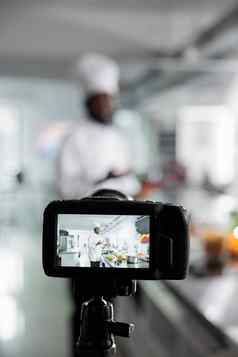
106,237
104,243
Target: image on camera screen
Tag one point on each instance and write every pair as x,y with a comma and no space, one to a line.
103,241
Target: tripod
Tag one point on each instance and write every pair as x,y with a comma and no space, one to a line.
97,328
97,325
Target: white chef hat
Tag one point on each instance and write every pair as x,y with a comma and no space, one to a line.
98,74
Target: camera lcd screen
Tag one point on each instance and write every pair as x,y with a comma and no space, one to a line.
103,241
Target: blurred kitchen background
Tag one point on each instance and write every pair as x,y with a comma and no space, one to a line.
179,100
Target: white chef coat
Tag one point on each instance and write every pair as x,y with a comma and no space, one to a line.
95,242
88,155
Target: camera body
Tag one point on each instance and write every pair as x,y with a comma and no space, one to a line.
107,238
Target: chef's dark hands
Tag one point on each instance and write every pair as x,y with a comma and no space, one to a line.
116,174
113,175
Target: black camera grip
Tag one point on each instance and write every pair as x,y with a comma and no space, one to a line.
174,242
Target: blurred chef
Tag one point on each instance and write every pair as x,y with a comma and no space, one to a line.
95,155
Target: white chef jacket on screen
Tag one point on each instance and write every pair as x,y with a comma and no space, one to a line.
95,247
88,155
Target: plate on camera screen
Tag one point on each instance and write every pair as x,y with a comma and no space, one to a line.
103,241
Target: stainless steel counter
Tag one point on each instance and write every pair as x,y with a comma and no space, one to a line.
169,324
215,298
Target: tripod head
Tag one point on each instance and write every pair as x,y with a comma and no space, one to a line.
97,325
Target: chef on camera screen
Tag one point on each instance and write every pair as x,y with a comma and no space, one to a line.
105,241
